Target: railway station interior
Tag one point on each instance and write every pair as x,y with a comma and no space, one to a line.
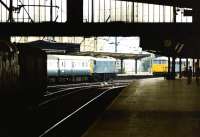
99,68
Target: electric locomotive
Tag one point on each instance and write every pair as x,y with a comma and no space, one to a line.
160,66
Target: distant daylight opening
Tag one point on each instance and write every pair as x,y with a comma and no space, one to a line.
31,11
35,11
129,12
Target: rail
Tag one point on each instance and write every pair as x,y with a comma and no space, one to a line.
86,85
46,132
64,90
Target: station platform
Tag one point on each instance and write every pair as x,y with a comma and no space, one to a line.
134,76
152,108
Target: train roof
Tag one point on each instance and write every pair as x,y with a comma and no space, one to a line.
69,57
80,57
166,59
161,58
105,59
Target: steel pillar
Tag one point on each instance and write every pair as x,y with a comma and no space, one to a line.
122,61
11,11
187,63
136,66
174,14
92,11
173,74
193,67
180,68
197,64
196,15
51,11
169,66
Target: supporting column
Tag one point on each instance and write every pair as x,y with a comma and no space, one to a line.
75,11
173,74
180,68
187,65
174,14
136,66
51,11
132,12
197,64
11,11
169,66
122,66
196,16
92,11
193,67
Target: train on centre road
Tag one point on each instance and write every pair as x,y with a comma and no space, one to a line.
160,66
66,68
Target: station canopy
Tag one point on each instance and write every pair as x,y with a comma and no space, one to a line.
114,55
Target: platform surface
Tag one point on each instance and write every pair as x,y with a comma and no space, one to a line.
152,108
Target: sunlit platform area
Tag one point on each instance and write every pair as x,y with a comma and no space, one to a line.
152,108
139,75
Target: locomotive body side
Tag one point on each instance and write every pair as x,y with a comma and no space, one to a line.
104,69
160,66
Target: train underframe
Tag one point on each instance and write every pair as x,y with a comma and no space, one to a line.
96,77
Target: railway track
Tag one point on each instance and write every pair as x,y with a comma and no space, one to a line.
60,106
96,98
75,98
56,89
